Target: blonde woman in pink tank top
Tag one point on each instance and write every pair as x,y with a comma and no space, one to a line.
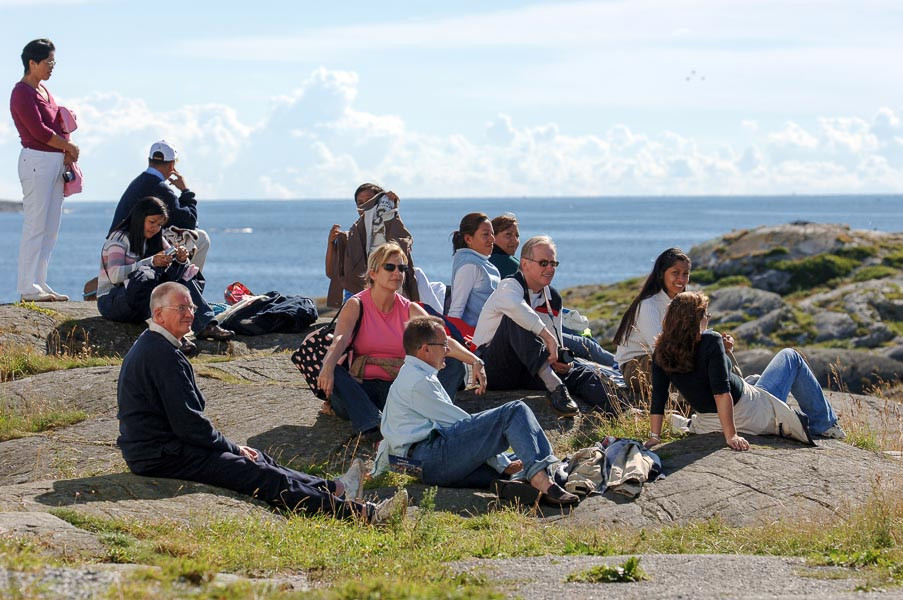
377,349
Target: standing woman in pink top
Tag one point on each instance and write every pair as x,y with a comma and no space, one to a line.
46,155
357,392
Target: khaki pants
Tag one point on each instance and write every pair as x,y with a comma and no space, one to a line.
756,413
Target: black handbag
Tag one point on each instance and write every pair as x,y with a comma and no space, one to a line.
308,358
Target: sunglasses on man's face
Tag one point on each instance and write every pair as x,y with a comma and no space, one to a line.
544,263
402,268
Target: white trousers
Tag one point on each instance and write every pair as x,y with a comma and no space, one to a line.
201,248
41,175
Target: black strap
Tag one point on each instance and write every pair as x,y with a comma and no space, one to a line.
357,324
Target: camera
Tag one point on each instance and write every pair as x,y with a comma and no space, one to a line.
565,356
68,175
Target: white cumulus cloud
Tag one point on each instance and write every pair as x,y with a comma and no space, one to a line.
320,141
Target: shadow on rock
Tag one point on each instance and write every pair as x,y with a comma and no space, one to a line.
681,453
327,439
119,487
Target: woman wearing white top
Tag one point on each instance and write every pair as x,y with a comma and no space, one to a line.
642,322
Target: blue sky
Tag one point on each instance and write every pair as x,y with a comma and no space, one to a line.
303,100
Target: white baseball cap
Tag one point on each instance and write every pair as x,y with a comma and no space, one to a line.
162,150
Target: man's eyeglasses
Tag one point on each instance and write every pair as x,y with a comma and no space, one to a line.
183,308
402,268
51,63
443,344
544,263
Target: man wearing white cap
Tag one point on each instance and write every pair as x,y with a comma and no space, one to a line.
183,211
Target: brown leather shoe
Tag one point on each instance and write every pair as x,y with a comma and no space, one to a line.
189,348
556,496
214,332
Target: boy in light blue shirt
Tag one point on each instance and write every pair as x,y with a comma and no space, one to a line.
453,447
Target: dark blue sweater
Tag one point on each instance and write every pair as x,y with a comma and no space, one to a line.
161,408
183,211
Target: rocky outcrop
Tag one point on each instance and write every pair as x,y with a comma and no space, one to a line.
757,253
849,370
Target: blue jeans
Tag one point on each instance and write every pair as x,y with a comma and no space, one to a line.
361,402
454,452
588,349
788,372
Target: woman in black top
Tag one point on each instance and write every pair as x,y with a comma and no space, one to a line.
694,360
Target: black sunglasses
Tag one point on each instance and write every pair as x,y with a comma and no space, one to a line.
402,268
544,263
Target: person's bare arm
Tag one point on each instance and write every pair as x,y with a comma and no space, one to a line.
725,405
344,329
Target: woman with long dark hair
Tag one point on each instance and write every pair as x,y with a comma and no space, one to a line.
642,321
45,156
136,258
693,358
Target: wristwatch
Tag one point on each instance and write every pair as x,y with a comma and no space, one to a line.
478,361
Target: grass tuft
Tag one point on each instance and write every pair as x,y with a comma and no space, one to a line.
34,416
628,571
18,362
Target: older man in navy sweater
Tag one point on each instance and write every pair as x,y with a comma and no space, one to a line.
183,211
164,433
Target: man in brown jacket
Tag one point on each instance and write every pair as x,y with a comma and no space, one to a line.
347,251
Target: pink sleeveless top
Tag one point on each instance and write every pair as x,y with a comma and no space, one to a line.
380,335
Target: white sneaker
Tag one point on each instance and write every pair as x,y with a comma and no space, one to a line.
36,297
834,432
57,297
385,510
679,422
353,480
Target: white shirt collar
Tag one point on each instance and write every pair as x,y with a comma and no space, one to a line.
164,332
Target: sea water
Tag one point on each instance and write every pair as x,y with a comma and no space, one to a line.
281,245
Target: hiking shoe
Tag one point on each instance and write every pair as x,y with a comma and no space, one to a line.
353,480
385,510
679,422
561,402
214,332
834,432
556,496
515,490
189,348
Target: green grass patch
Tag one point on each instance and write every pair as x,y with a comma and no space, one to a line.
874,272
776,252
730,281
607,303
38,308
18,362
894,259
703,276
799,330
34,416
806,273
410,559
857,252
629,571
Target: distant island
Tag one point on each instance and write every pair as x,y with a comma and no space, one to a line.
10,206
